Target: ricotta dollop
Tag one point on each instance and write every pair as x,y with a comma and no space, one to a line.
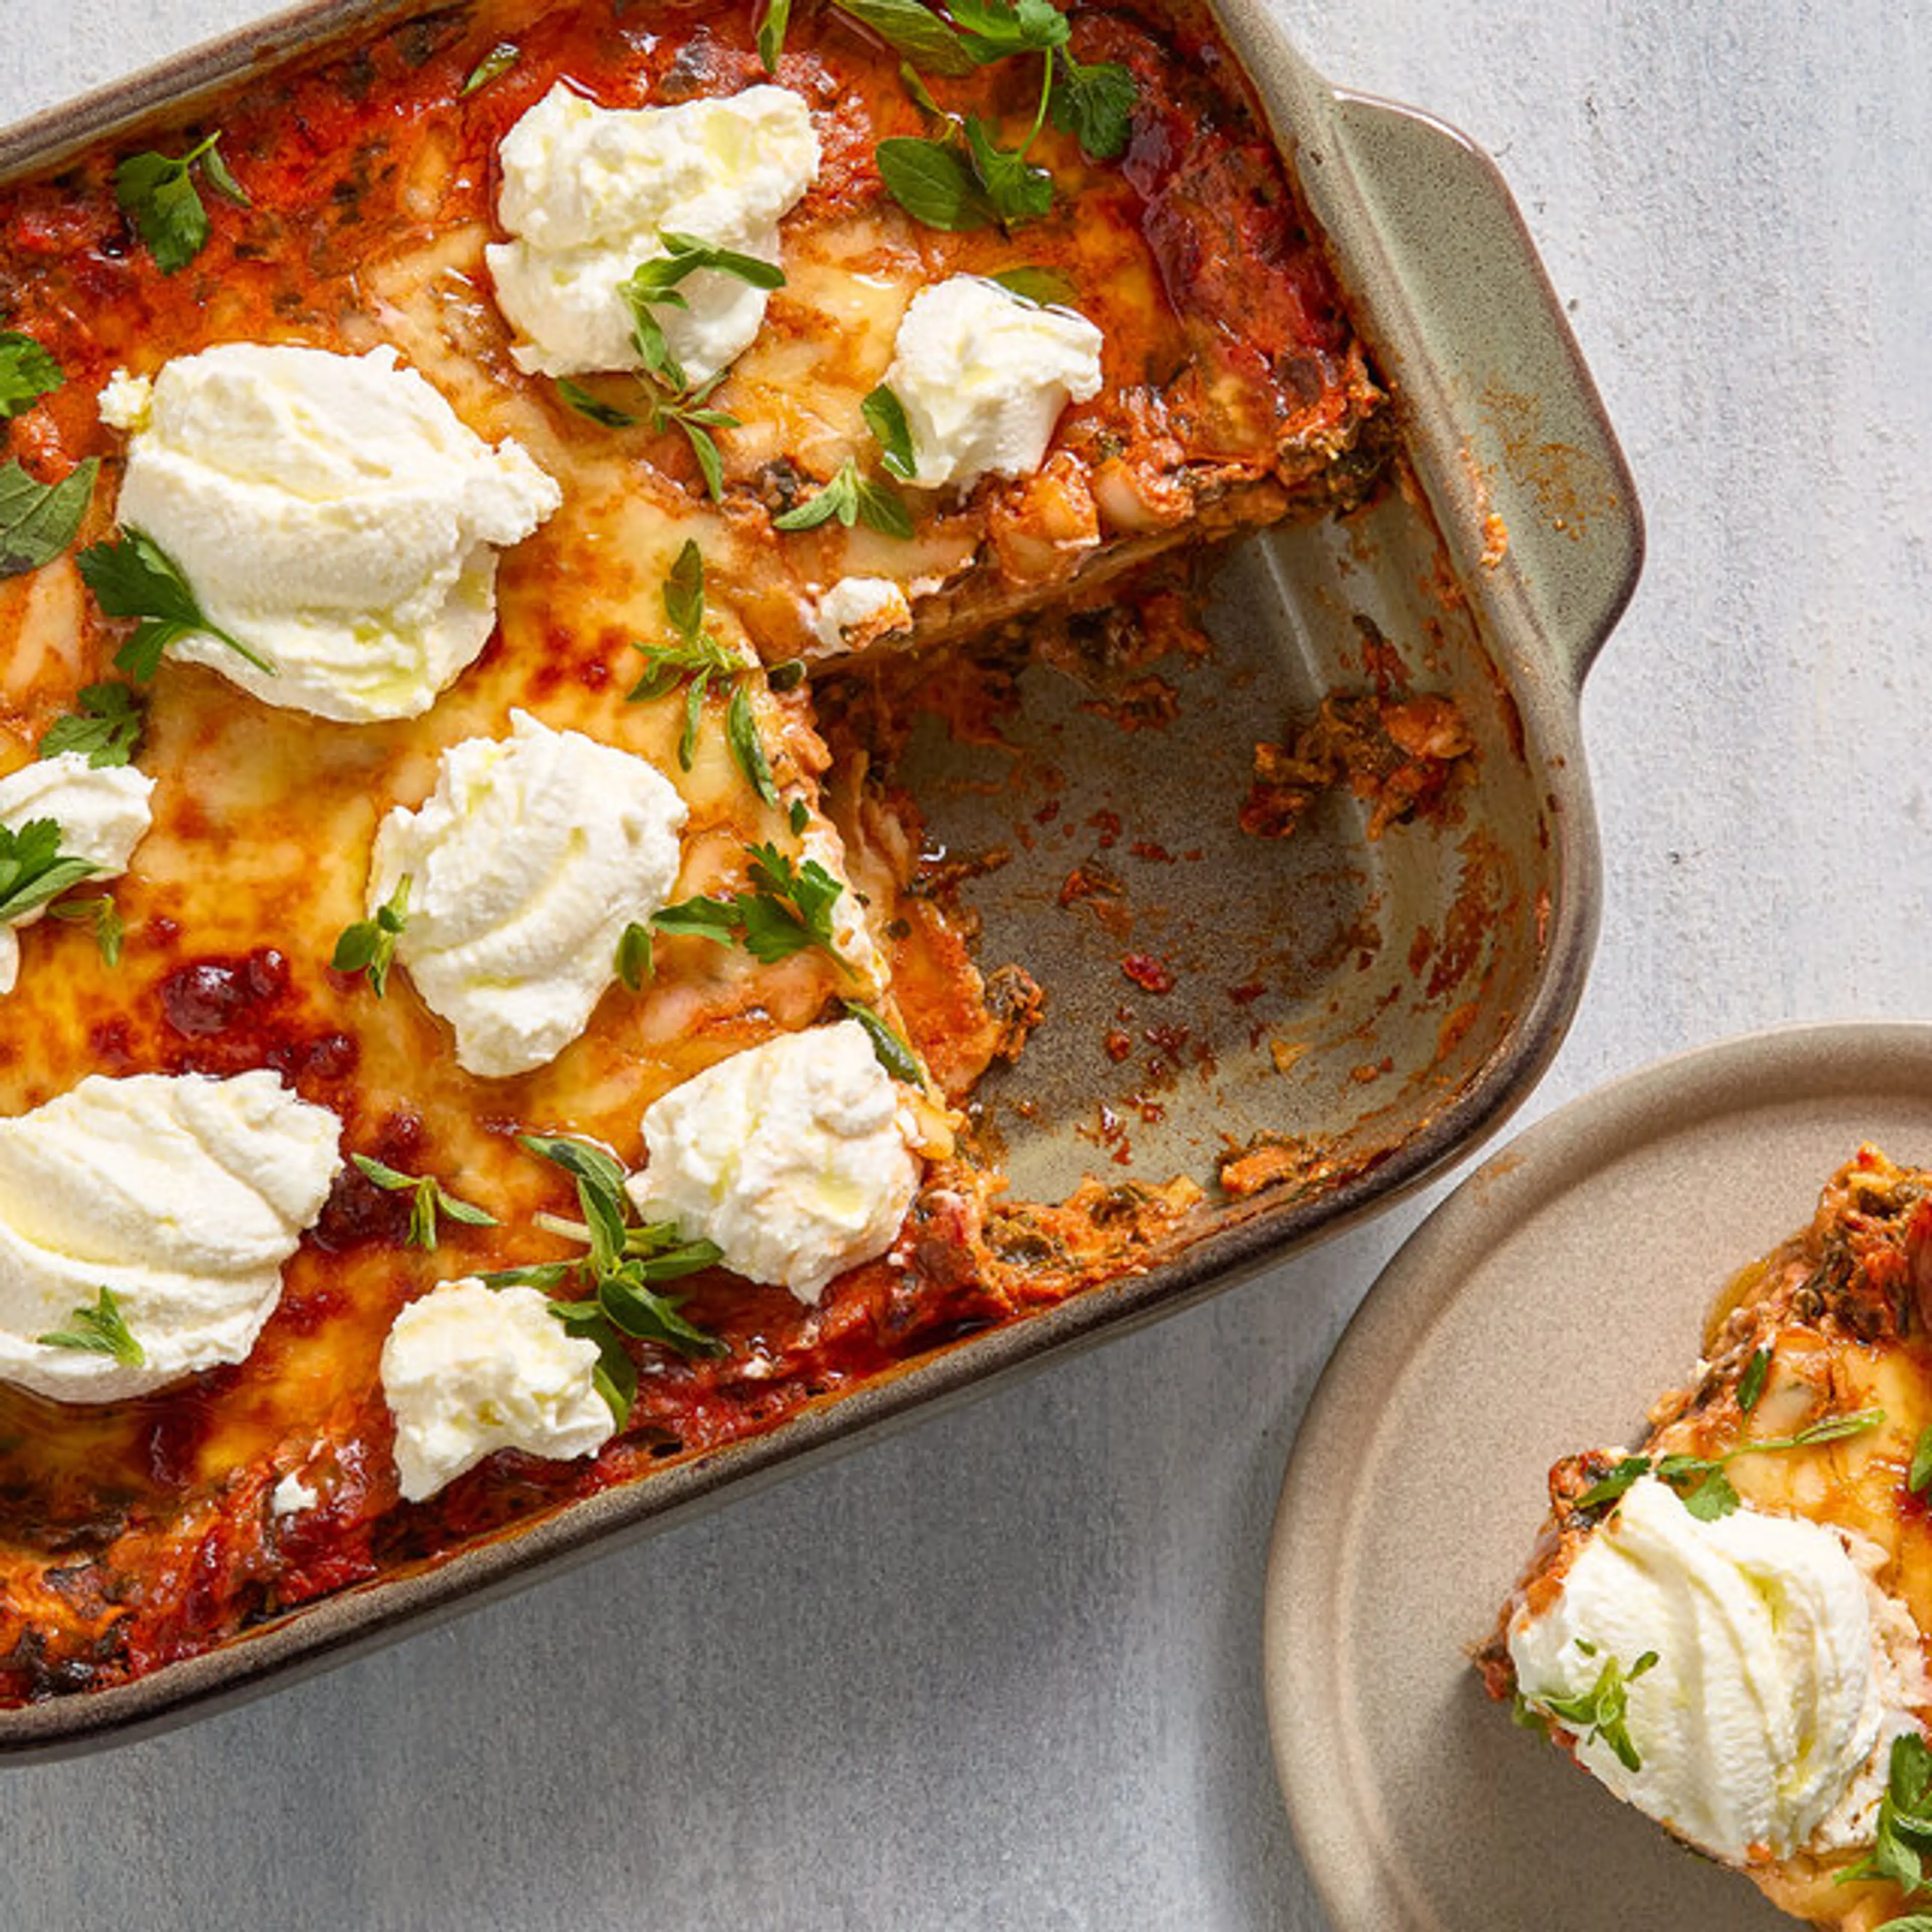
857,611
588,193
332,513
468,1370
983,375
103,815
1783,1674
525,864
792,1156
180,1194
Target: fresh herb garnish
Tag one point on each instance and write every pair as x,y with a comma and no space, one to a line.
158,193
38,520
637,957
885,417
934,182
1045,288
137,578
34,869
106,726
369,946
785,909
892,1052
27,373
1919,1477
786,676
741,733
103,915
503,56
1601,1711
1095,104
676,401
101,1330
622,1263
1750,1384
606,416
852,498
772,33
1903,1839
1700,1482
798,817
431,1199
915,31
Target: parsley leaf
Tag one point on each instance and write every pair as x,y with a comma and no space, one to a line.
852,498
1903,1838
1601,1711
107,727
915,31
621,1262
103,915
741,731
1700,1482
885,417
1045,288
158,191
786,909
503,56
137,578
607,415
890,1050
772,33
933,183
38,520
995,28
431,1199
1095,104
369,946
27,373
1750,1384
34,869
101,1330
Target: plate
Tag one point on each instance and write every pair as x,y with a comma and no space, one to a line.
1561,1288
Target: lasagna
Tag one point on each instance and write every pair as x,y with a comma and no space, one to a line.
479,1022
1726,1623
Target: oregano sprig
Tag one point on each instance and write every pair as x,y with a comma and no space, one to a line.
369,946
1601,1711
101,1330
430,1198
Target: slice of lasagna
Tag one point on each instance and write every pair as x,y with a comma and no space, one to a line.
1725,1625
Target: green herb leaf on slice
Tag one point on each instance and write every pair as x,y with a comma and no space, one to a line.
1019,189
1609,1489
786,676
852,498
741,731
137,578
584,1161
100,1330
1750,1384
1045,288
1095,104
158,194
431,1199
933,183
798,817
369,946
636,960
1918,1478
1601,1711
638,1310
103,915
38,520
885,417
607,415
1830,1429
913,31
34,869
892,1051
1902,1840
27,373
107,727
499,61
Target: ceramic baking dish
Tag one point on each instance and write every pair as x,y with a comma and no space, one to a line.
1359,1012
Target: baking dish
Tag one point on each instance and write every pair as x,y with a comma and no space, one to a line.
1356,1012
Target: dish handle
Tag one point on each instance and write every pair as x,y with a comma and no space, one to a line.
1511,437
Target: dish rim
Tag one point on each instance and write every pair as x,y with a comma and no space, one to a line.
1549,689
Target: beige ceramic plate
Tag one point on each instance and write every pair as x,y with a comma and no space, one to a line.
1537,1310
